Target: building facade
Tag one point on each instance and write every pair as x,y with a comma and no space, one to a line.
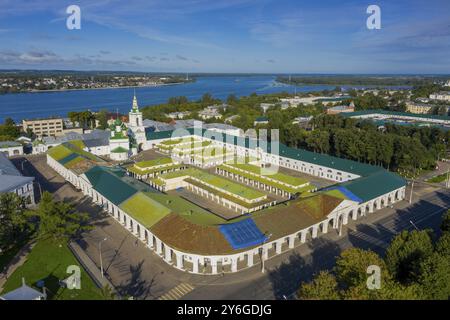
44,127
11,180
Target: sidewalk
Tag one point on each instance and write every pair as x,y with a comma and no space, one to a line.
90,267
15,263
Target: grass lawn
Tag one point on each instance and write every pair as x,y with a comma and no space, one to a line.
187,210
144,209
265,179
217,182
48,261
293,181
151,163
59,152
438,179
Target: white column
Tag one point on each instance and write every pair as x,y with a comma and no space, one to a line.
179,260
303,236
194,264
135,228
158,246
233,264
167,253
150,243
344,219
265,253
213,265
314,231
325,227
250,259
291,241
278,246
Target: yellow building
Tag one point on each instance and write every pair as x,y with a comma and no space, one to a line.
44,127
419,108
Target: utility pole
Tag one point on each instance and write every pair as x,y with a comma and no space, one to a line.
100,251
447,185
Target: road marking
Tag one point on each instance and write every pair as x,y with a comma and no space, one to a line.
178,292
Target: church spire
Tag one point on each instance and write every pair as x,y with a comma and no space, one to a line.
135,104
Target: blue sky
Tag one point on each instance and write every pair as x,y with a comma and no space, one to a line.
281,36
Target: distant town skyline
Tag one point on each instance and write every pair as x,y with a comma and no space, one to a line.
234,36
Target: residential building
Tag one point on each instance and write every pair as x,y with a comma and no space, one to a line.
178,115
24,292
11,180
11,148
441,96
210,112
44,127
341,109
223,128
419,108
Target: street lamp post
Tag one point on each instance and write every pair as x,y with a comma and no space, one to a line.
414,225
262,254
100,251
447,185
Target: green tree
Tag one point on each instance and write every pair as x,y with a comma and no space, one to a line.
58,219
405,253
323,287
443,245
435,276
445,224
102,117
13,219
351,267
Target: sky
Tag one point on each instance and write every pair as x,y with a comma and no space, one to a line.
230,36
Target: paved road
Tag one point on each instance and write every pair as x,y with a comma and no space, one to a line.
136,271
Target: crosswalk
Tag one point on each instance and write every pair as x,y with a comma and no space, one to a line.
178,292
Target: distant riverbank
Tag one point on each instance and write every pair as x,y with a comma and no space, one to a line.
102,88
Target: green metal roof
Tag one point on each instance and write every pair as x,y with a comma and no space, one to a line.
109,183
395,113
374,185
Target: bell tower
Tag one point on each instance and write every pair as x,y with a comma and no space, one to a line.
136,124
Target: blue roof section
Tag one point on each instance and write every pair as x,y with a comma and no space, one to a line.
69,158
350,195
242,234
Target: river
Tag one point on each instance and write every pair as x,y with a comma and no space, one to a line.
58,103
